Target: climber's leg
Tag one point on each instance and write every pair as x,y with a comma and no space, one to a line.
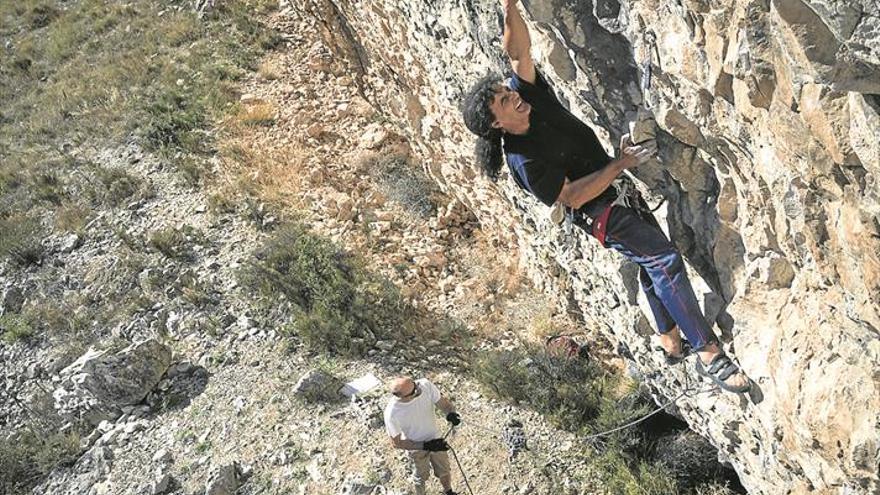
646,245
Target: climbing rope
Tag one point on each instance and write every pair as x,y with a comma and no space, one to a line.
652,413
689,392
455,456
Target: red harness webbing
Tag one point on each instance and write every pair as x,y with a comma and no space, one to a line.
601,224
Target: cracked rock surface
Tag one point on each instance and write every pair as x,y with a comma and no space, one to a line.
769,162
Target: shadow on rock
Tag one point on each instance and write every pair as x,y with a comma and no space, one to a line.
182,383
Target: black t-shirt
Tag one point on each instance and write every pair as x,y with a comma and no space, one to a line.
557,144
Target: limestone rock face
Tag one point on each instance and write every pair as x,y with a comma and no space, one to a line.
98,384
768,116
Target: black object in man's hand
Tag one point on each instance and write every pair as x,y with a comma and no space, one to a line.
436,445
453,418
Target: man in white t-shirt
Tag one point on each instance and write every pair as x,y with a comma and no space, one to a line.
409,421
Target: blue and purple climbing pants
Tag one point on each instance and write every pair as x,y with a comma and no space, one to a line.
638,237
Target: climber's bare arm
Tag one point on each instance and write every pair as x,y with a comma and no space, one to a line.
517,43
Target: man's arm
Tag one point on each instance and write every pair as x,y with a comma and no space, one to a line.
445,405
576,193
517,43
399,443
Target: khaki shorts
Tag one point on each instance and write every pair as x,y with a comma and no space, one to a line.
423,461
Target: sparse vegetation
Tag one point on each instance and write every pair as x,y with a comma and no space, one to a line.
570,392
30,454
176,243
337,306
21,237
71,217
14,327
580,397
261,114
98,72
403,182
116,186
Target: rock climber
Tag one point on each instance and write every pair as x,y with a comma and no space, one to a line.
409,421
558,159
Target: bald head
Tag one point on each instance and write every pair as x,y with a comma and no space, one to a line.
403,387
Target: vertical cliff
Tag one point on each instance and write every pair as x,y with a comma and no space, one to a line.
770,168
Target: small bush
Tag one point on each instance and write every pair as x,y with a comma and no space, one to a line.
28,455
403,182
578,396
339,307
21,238
570,392
172,116
72,217
260,115
116,186
43,14
175,243
14,328
47,186
621,475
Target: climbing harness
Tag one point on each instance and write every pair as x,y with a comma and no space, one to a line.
628,196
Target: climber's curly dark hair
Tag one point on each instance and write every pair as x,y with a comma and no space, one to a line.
479,118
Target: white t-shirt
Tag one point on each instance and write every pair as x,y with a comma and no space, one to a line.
414,420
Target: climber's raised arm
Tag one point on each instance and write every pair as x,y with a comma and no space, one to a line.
517,43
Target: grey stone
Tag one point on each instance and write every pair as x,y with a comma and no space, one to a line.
162,456
224,480
98,384
356,486
317,386
69,243
11,300
162,485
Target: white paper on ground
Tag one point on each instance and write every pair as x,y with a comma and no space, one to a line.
360,385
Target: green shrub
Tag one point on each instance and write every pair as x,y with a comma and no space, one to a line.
569,391
176,243
28,455
21,238
47,186
14,327
116,186
172,118
578,396
42,14
621,475
338,306
404,183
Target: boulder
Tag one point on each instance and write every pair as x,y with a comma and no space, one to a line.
224,480
11,300
316,386
99,384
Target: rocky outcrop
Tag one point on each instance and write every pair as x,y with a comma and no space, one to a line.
769,120
99,384
224,480
318,386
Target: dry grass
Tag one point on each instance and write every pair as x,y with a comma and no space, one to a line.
72,217
269,70
257,115
273,173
